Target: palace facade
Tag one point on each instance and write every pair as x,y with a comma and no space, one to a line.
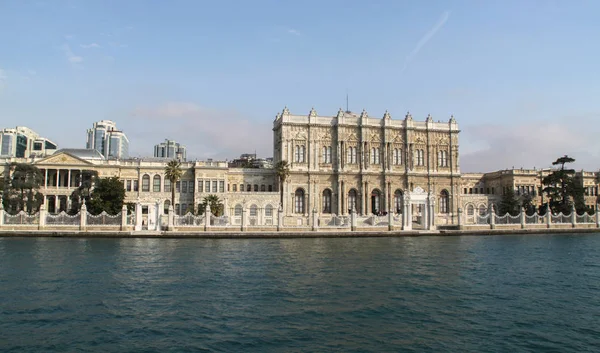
338,164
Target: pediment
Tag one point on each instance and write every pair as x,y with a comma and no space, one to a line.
63,158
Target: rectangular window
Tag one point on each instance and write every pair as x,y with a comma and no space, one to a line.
128,185
183,208
136,185
487,190
214,186
191,187
255,187
234,187
221,185
263,187
156,185
167,187
241,187
184,187
270,188
200,185
207,186
493,191
178,187
481,190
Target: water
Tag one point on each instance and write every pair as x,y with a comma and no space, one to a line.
425,294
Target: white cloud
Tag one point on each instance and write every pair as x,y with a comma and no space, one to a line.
71,57
207,133
528,144
91,45
440,23
293,31
69,36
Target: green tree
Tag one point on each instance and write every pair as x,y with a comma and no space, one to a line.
509,204
216,206
527,204
173,173
86,180
22,188
282,170
563,188
576,190
108,195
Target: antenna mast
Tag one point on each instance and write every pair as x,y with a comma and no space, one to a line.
347,110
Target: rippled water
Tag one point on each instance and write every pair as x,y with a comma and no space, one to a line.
437,294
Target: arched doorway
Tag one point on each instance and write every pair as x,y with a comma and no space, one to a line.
352,198
376,202
299,201
398,201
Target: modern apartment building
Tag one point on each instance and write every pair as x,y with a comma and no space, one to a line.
108,140
22,142
170,149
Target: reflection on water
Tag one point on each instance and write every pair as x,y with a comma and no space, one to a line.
510,293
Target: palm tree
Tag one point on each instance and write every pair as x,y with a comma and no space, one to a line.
216,207
173,173
282,169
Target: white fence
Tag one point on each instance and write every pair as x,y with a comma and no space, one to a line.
63,219
104,219
22,218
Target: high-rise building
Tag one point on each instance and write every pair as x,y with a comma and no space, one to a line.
170,149
22,142
106,139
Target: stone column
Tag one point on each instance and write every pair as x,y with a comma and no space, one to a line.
171,218
46,179
425,216
2,213
315,220
207,214
459,218
432,213
124,217
244,220
390,221
407,216
58,178
279,218
157,212
138,216
573,216
42,214
83,215
548,216
69,178
523,218
55,202
492,217
353,219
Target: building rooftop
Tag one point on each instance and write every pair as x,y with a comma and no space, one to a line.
83,153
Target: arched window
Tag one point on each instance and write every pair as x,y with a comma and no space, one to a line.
326,201
397,156
167,185
156,183
166,206
444,197
248,187
375,201
237,211
299,201
146,183
300,151
398,201
470,210
420,157
253,211
327,154
234,187
351,155
241,187
352,204
375,155
268,211
482,210
263,187
442,158
255,187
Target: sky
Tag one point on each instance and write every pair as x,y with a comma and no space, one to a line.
522,77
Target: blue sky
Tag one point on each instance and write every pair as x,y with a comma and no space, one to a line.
521,77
